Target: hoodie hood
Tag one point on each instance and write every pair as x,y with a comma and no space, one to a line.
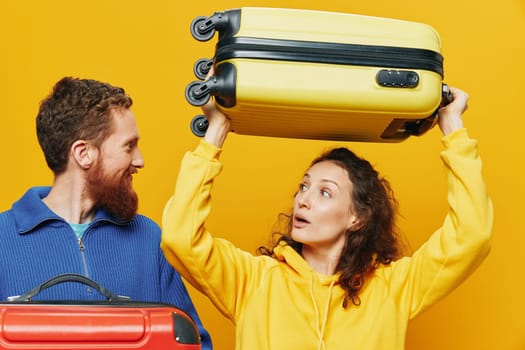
285,253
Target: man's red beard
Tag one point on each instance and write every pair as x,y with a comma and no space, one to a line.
113,193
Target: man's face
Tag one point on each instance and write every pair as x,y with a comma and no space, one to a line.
119,157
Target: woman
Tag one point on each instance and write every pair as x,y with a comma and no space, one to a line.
335,281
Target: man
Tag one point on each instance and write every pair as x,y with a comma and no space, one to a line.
87,222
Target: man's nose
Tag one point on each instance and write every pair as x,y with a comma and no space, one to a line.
137,161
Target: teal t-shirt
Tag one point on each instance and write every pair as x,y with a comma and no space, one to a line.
79,228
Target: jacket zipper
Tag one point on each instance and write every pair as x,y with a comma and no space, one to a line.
82,255
330,53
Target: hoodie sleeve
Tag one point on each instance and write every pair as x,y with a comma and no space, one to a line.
213,266
459,246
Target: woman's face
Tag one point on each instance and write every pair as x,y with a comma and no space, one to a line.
323,209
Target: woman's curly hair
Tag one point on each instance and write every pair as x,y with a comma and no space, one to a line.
375,241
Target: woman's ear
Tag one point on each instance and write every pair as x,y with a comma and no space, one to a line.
84,153
354,223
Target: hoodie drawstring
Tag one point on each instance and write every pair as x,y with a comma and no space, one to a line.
321,326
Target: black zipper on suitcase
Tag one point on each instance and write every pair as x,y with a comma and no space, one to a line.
329,53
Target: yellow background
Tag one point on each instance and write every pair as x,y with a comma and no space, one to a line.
146,47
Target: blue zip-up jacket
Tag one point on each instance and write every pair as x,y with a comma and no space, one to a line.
122,256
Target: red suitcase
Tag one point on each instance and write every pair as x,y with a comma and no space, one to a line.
117,323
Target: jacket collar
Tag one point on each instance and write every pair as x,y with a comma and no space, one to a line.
30,211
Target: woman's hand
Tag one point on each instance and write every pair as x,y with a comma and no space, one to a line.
450,115
218,122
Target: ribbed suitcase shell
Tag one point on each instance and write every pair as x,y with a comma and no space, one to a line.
95,326
288,94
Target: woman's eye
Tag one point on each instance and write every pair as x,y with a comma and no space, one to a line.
325,193
302,187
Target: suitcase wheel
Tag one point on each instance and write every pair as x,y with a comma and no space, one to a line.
202,67
197,93
199,125
202,28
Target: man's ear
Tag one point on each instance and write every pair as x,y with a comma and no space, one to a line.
84,153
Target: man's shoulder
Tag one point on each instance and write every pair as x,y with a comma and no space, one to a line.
9,209
6,216
144,220
21,204
6,212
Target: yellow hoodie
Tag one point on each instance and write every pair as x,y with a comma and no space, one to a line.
282,304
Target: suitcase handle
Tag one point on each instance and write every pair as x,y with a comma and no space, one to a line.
446,95
421,126
69,277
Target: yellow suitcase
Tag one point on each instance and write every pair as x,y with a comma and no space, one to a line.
319,75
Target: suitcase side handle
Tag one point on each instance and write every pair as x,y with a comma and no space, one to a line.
69,277
421,126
